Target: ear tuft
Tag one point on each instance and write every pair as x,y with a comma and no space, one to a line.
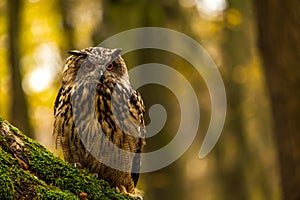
77,53
116,53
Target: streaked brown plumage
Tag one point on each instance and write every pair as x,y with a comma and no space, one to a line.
96,97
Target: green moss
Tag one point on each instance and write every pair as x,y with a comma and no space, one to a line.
48,177
57,194
6,183
14,181
17,183
1,121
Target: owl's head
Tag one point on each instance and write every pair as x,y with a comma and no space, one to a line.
94,64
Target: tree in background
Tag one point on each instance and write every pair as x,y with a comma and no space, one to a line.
236,40
19,110
279,42
237,152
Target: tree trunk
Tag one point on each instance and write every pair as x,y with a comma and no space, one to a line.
235,54
29,171
279,42
65,6
18,112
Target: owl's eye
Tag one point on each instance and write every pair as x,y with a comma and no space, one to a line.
87,66
110,67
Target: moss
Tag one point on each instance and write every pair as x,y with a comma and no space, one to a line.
6,183
43,175
14,181
57,194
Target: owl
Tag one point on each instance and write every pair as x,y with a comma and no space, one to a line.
99,117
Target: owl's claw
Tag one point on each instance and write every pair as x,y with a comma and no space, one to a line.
77,164
138,197
96,175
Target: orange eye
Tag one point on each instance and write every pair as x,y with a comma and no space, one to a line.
87,66
110,67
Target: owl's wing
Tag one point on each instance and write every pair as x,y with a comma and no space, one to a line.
128,111
61,112
57,119
137,110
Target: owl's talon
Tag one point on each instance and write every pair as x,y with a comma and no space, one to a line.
138,197
77,164
122,189
96,175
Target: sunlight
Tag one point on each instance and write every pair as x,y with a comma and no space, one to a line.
211,7
208,7
49,63
39,79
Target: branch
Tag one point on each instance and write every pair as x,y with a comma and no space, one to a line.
29,171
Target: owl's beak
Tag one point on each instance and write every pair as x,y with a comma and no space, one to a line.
101,73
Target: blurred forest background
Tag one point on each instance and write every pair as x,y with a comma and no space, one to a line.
256,45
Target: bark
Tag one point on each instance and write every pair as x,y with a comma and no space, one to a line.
29,171
279,42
